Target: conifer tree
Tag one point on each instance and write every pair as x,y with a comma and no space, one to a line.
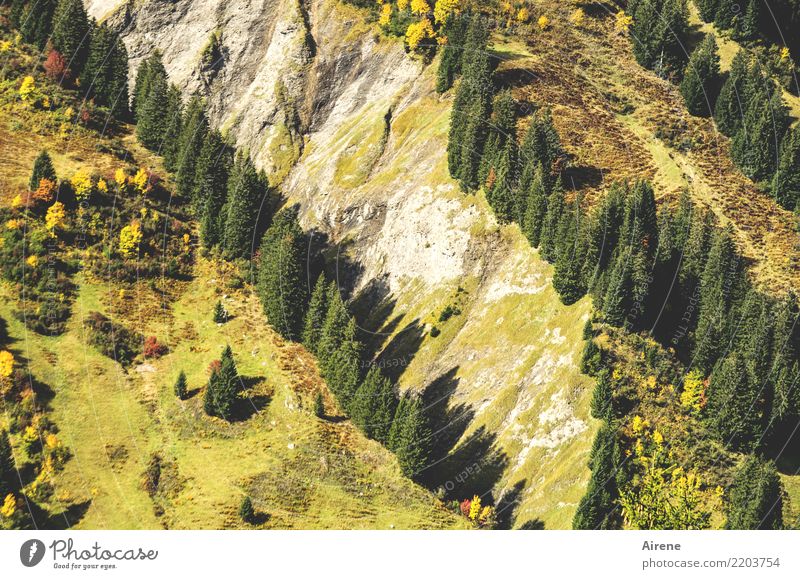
246,190
755,146
592,358
756,497
334,326
748,28
568,271
180,386
602,399
502,195
785,409
246,511
603,236
501,131
541,144
220,315
754,335
8,472
733,96
707,9
315,316
105,76
211,184
659,32
342,367
193,134
152,103
597,509
617,298
413,439
455,30
72,33
281,280
786,182
695,253
223,387
719,288
142,86
36,22
734,408
373,405
398,419
42,169
535,208
700,81
174,126
471,108
725,15
550,228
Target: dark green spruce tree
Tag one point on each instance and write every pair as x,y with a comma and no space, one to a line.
535,196
171,148
35,23
734,406
755,497
701,80
471,108
598,509
568,278
413,438
223,387
315,316
733,96
180,386
246,191
374,405
42,169
105,76
281,275
71,34
211,186
152,103
602,398
786,182
707,9
455,30
342,367
548,240
193,133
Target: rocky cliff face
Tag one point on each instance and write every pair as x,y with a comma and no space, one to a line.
351,128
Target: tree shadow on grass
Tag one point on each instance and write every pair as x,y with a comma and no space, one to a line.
532,525
250,403
66,519
448,422
507,505
400,350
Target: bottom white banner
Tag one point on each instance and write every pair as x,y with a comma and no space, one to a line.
356,554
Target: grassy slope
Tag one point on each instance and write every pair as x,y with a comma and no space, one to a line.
301,471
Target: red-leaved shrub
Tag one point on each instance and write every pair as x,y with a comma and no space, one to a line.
152,348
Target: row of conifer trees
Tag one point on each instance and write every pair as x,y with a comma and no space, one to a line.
673,271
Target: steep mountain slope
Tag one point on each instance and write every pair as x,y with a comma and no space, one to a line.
369,135
352,129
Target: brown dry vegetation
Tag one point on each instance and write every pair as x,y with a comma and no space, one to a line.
619,121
